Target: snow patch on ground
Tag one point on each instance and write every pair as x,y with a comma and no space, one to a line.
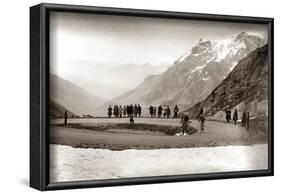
222,48
206,78
227,47
74,164
198,68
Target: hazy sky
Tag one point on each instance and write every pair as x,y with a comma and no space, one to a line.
115,40
82,45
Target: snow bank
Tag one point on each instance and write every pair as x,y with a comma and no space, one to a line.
73,164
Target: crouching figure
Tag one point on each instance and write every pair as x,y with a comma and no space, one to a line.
132,119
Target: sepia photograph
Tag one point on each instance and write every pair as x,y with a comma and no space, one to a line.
133,96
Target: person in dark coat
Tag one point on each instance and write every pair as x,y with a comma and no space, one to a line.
164,111
131,119
65,117
120,111
151,111
109,111
185,123
135,110
228,115
128,110
159,111
131,109
235,116
115,110
202,121
176,110
139,110
168,110
248,121
244,119
124,111
154,111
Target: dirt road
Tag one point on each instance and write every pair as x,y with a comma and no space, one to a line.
216,134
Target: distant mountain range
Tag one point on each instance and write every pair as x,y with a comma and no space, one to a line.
110,81
245,88
72,97
194,75
191,80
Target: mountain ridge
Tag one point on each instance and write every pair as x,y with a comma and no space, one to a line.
193,75
73,97
245,88
57,111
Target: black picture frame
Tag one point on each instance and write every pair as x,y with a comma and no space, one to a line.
39,94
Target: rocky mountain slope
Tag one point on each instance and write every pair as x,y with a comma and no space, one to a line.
245,88
73,97
195,74
57,111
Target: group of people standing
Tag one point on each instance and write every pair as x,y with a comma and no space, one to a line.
164,111
125,111
136,111
245,122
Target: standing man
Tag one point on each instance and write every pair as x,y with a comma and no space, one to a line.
139,110
159,111
164,111
151,111
135,110
244,119
168,111
235,116
65,117
131,110
154,111
109,111
176,110
228,115
115,110
202,121
124,111
120,110
248,121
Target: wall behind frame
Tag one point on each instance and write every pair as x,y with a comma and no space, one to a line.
14,82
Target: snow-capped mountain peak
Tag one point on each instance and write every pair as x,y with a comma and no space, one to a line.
196,73
236,47
229,50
